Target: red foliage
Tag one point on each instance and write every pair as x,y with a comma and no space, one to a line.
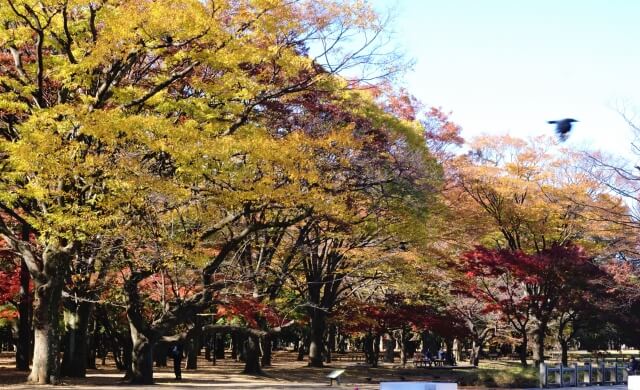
516,283
252,311
394,312
9,285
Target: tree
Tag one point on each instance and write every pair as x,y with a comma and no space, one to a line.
143,114
535,202
525,288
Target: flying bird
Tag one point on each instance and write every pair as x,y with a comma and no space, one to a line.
563,127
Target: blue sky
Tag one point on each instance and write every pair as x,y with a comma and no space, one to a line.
509,66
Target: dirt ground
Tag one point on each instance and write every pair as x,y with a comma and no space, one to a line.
286,373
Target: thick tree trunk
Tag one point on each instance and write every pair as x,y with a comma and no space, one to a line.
76,321
267,342
252,356
141,358
316,346
46,314
23,347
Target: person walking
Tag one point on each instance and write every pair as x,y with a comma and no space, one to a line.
176,355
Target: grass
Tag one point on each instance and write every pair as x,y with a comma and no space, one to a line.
509,375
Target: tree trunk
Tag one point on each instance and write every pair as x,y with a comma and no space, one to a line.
404,341
376,351
92,348
76,321
457,350
219,346
316,347
192,352
161,354
127,356
449,355
538,352
252,356
523,351
367,348
46,314
209,344
266,350
23,347
476,349
234,347
564,346
331,343
389,349
141,358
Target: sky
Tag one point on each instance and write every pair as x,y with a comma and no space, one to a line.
512,65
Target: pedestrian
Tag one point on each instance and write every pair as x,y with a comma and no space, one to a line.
176,355
633,366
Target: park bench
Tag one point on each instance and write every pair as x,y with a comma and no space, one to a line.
335,375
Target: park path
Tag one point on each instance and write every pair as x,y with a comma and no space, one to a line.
257,385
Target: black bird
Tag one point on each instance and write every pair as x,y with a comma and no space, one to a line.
563,127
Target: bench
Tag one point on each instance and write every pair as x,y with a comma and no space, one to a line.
335,375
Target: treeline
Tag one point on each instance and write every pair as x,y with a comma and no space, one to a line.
167,165
177,171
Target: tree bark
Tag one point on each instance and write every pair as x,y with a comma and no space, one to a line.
161,353
523,350
316,346
46,315
538,352
141,358
194,348
476,349
267,342
23,347
389,349
76,319
92,348
564,346
219,346
404,341
234,347
252,356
